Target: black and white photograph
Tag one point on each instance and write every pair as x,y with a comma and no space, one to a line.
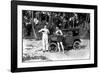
54,36
49,36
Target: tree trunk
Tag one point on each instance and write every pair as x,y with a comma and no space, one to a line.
34,33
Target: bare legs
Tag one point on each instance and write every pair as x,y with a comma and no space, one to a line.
60,43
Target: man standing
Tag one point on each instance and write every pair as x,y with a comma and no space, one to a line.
59,34
45,32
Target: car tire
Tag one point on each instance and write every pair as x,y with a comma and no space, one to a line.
53,47
76,45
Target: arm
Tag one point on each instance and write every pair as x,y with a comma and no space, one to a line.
59,32
40,30
48,31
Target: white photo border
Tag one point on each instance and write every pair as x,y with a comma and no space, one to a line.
20,64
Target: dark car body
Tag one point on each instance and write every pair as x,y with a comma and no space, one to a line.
69,37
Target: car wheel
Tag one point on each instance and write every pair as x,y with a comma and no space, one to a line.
53,47
76,45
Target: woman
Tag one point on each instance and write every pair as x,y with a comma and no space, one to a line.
59,34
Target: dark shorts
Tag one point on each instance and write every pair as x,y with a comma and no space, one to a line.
59,38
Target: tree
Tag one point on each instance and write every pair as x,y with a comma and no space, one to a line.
33,26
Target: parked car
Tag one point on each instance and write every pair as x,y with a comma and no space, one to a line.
70,39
